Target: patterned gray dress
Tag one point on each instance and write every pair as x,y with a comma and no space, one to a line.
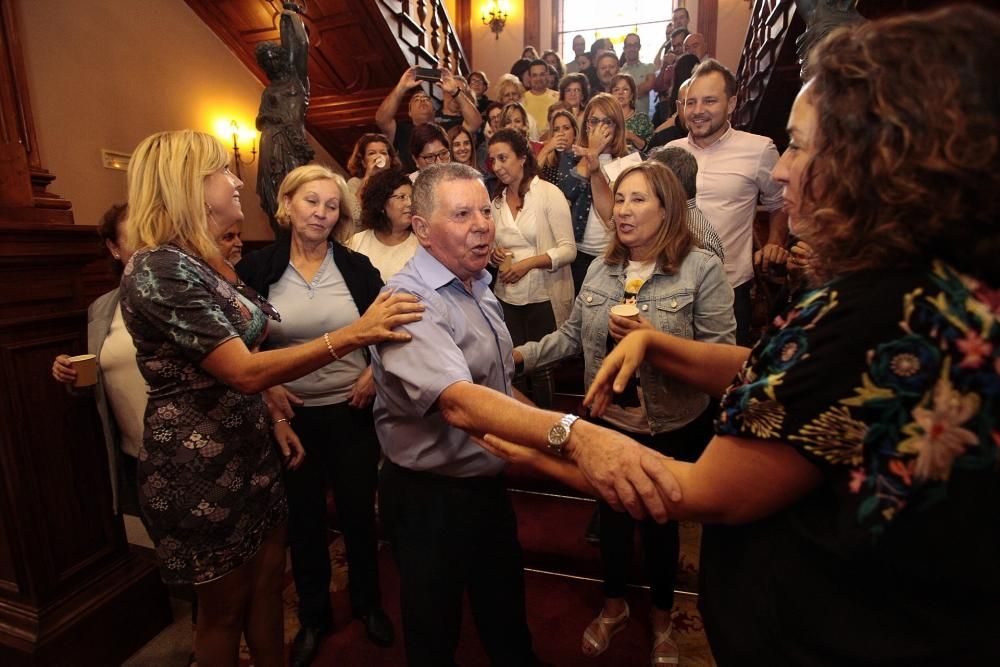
209,475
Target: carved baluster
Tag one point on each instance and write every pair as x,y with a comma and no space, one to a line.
436,29
421,18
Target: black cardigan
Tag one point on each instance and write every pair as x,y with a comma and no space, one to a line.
262,268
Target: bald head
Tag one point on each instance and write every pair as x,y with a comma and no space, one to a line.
695,44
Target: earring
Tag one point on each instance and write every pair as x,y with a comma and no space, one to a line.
116,255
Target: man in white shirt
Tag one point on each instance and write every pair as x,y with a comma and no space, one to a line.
734,170
696,44
579,47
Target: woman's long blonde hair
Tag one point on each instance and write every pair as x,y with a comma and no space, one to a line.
166,190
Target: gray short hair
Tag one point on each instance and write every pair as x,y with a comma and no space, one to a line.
682,163
424,189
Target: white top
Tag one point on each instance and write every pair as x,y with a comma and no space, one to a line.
308,310
123,384
544,204
732,173
632,419
388,259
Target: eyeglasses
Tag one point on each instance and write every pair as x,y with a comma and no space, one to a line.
441,156
594,122
402,197
251,294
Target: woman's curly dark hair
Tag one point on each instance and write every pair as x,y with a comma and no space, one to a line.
356,163
906,164
376,194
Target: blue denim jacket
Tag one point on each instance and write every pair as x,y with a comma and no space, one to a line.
695,303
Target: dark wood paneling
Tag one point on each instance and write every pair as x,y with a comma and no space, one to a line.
708,22
71,592
532,24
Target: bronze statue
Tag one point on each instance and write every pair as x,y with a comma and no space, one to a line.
282,115
822,16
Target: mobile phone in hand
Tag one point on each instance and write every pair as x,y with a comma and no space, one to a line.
428,74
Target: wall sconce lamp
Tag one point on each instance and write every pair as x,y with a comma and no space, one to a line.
495,17
236,149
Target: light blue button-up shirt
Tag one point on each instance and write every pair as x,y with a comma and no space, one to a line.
461,338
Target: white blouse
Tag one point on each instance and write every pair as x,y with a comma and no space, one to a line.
544,205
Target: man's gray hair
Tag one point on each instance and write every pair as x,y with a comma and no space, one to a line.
682,163
424,189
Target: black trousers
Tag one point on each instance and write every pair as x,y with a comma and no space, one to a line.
743,312
452,536
579,269
660,542
342,453
532,321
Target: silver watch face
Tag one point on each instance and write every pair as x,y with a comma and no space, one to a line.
558,434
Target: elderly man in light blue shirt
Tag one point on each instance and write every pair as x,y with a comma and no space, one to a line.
443,499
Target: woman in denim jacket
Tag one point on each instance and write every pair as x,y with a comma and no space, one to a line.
676,287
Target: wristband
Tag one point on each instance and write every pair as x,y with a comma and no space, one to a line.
279,421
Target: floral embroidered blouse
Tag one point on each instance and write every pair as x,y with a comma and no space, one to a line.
889,382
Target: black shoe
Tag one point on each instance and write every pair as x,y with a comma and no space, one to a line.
379,627
305,646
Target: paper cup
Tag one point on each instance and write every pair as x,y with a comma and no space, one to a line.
85,366
508,260
626,310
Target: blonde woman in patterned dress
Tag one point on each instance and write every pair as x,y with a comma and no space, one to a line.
209,474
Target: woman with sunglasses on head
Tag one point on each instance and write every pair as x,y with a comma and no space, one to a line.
534,248
209,475
602,137
319,285
654,264
386,237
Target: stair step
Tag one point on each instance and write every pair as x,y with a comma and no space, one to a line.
551,529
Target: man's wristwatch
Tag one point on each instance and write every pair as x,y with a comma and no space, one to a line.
455,93
559,434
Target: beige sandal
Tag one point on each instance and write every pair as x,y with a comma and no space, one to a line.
597,636
665,651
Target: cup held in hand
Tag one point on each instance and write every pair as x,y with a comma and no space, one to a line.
508,260
85,366
626,310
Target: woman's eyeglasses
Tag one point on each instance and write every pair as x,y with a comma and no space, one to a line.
259,301
594,122
440,156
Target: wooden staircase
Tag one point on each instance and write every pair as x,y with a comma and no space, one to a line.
358,50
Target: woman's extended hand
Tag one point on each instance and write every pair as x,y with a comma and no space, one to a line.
614,373
508,451
363,390
387,312
619,327
62,370
291,448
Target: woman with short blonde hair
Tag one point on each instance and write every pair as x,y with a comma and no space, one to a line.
344,227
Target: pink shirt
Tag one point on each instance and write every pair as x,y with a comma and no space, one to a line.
732,173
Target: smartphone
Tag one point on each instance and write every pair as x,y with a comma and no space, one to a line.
428,74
